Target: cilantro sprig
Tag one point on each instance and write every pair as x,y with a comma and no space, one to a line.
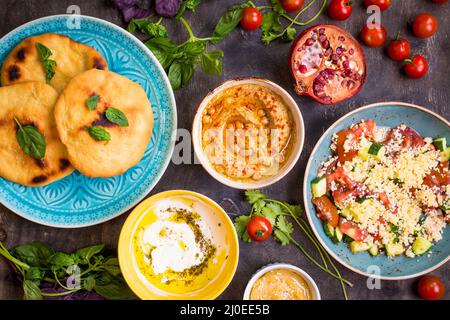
283,216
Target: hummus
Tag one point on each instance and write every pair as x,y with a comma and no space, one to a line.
281,284
177,247
247,132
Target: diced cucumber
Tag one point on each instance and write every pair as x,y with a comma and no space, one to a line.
363,153
319,186
374,250
376,150
421,245
338,235
329,230
356,246
394,249
346,213
440,144
445,155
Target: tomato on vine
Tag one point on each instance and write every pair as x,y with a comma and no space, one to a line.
340,9
251,19
416,67
292,5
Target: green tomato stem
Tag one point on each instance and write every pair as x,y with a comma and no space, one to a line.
297,23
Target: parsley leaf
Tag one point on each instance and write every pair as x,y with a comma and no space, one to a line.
254,195
240,224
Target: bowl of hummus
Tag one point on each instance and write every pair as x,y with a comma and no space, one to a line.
248,133
178,245
280,281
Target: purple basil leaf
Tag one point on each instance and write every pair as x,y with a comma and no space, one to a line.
134,13
167,8
124,4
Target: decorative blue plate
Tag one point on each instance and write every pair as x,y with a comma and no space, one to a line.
78,201
387,114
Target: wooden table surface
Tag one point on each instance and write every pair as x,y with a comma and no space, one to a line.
246,56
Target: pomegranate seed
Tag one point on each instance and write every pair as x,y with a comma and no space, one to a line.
302,68
322,31
339,50
322,38
334,57
346,64
326,44
328,52
341,38
351,51
309,42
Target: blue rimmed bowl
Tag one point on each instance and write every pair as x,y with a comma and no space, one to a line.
388,114
78,201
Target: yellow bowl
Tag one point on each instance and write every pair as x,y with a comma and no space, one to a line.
138,282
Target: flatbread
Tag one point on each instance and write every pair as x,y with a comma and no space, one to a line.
127,145
72,58
31,103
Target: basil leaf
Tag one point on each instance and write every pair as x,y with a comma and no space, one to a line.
31,291
175,75
153,29
163,49
31,141
116,116
48,65
187,72
35,254
187,5
87,253
228,22
112,287
89,283
43,51
92,102
34,274
111,265
61,260
98,133
195,48
212,62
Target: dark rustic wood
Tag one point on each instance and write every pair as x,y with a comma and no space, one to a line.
246,56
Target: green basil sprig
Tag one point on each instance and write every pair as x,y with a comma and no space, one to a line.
48,64
98,133
116,116
31,140
92,102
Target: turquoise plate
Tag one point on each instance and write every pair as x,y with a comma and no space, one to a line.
78,201
388,114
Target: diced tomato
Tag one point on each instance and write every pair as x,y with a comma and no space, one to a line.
343,155
439,176
364,128
384,200
411,139
327,210
340,195
342,178
352,230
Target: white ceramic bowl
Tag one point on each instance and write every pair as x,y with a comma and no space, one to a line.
275,266
293,157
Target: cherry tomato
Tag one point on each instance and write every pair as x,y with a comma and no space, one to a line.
326,210
259,228
382,4
440,1
430,288
292,5
416,67
251,19
374,37
399,49
439,176
424,25
340,9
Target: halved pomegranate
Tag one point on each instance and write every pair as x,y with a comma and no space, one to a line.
328,64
